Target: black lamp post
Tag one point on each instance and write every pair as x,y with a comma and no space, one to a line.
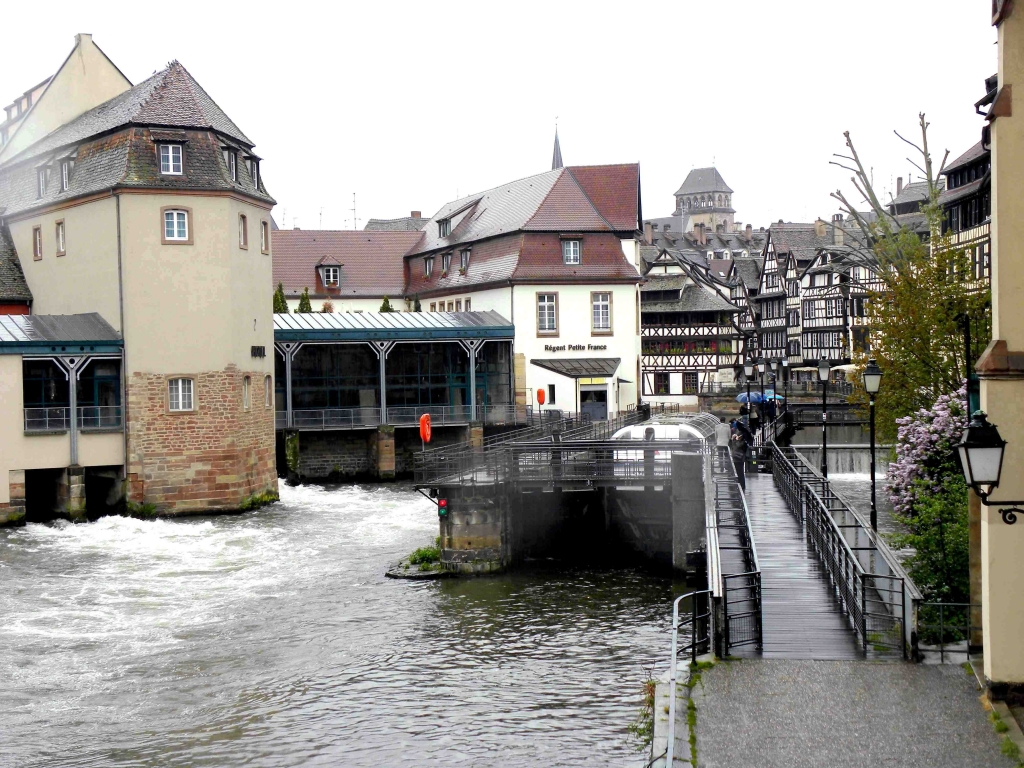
872,381
823,371
748,371
785,382
761,365
981,452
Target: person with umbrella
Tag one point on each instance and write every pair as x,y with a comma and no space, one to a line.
739,446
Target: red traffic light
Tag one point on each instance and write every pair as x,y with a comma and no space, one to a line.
442,507
443,503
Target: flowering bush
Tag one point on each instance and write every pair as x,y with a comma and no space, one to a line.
925,457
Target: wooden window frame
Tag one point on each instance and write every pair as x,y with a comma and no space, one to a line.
37,243
610,330
243,232
579,251
428,266
189,226
65,175
167,391
547,334
60,233
433,306
170,158
264,236
331,283
42,179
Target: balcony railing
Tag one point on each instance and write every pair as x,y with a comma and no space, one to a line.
439,414
47,419
100,417
334,418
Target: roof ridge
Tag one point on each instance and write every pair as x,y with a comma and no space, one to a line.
479,195
587,197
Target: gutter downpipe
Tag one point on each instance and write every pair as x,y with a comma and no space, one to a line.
120,306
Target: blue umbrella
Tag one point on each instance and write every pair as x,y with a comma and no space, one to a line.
769,394
755,397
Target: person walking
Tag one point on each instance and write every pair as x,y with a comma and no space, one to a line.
740,448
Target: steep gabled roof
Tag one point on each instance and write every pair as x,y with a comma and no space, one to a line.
972,155
170,98
614,190
13,286
703,180
567,208
749,271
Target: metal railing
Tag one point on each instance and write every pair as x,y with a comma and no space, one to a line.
742,622
871,586
699,621
100,417
440,415
47,419
947,629
335,418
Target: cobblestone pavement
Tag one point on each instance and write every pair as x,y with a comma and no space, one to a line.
834,714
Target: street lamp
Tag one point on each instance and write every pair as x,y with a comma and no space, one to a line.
748,371
872,381
981,452
823,372
761,366
785,382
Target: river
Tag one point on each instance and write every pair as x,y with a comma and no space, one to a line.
273,639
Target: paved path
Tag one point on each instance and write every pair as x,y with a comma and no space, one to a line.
776,713
801,615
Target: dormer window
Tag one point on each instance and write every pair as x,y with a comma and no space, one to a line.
332,277
446,262
171,159
444,227
231,161
464,259
65,174
571,251
254,170
428,266
41,182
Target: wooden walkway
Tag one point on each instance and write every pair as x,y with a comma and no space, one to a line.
801,616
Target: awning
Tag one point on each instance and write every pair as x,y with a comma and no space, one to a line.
580,367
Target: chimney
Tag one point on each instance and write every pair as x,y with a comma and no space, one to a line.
837,231
416,214
899,185
720,229
749,233
819,228
701,236
648,233
295,228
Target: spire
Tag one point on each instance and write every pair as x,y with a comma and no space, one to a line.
556,158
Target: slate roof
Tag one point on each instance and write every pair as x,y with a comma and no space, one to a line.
170,98
803,242
720,268
969,157
749,271
952,195
12,280
694,298
665,283
917,192
373,265
404,224
703,180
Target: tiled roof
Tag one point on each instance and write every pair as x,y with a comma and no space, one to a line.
170,98
614,190
490,261
372,261
703,180
749,271
916,192
665,283
566,208
952,195
404,224
694,298
601,260
720,268
802,240
972,155
12,280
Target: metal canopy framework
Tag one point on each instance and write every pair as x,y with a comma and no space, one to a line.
391,326
581,367
58,334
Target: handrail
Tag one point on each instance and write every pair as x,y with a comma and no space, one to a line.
693,646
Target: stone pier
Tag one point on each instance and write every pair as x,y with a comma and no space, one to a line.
13,512
71,494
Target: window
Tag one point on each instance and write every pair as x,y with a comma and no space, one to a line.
661,383
264,237
60,237
571,251
551,394
231,161
246,386
446,262
332,276
243,231
547,314
65,175
451,306
41,182
170,159
176,226
255,170
601,312
444,227
467,304
37,243
268,391
179,394
464,259
428,266
458,305
433,306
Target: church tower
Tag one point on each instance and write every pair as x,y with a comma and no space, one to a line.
705,198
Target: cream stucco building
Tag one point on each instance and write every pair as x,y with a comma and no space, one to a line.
142,205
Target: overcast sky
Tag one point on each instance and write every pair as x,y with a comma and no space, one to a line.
410,106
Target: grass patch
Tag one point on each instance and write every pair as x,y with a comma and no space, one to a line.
258,500
144,511
691,721
641,730
427,556
1010,749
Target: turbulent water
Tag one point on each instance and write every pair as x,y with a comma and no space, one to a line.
273,639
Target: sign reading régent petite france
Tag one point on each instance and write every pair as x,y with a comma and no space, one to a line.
575,347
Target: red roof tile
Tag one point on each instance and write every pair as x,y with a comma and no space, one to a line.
566,208
372,261
614,190
601,259
490,261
